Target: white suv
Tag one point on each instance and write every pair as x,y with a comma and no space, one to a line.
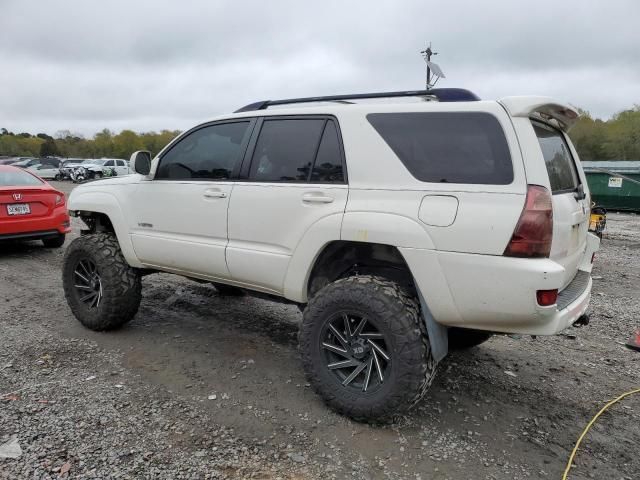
400,228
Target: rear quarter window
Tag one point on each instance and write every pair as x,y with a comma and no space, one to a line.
448,147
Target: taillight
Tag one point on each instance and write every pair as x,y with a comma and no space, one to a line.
546,298
534,231
59,198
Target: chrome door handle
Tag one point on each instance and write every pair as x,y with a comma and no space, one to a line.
214,194
316,198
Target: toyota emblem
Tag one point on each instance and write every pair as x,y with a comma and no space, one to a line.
17,196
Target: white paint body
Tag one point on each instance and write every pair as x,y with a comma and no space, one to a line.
267,236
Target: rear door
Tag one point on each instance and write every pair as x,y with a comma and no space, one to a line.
293,177
570,208
121,167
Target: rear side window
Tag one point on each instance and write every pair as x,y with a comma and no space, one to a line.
450,147
563,176
209,153
17,178
285,150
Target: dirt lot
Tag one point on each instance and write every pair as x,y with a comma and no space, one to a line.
205,386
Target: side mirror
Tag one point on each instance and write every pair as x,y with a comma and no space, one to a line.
140,162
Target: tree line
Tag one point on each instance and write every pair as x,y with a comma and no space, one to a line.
615,139
65,144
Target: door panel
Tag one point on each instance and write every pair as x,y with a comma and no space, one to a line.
180,220
266,222
181,226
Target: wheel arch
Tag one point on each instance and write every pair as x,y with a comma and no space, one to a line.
107,215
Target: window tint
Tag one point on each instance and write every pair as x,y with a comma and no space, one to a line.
120,163
208,153
285,150
17,178
328,165
454,147
557,158
109,163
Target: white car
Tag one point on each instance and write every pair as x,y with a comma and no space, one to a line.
91,169
400,228
46,170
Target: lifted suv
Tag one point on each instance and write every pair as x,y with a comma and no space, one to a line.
400,228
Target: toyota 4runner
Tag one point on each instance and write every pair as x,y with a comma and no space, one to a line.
401,228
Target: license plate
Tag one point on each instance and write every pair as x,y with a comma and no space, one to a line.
19,209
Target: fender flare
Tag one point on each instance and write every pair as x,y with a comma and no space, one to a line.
107,204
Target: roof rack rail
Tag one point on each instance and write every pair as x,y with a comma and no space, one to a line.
441,94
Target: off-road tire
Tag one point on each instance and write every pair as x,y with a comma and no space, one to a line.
398,318
121,285
54,242
464,338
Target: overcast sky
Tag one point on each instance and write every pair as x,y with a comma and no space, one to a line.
148,65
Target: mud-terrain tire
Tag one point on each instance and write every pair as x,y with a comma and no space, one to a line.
96,263
464,338
228,290
401,334
54,242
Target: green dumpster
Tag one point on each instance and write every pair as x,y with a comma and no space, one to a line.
614,185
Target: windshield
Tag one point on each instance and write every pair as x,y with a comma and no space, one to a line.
17,178
94,162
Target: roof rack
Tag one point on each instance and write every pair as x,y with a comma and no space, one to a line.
440,94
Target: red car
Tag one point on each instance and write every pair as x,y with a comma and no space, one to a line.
31,209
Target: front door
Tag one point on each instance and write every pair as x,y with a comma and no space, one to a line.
180,220
295,178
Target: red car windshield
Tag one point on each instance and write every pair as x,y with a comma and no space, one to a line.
17,178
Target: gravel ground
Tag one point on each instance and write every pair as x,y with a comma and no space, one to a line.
205,386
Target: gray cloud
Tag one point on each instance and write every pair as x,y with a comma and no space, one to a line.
147,65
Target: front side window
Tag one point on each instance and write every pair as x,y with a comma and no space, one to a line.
209,153
285,150
109,163
448,147
563,176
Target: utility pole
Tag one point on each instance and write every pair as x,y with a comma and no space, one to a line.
427,56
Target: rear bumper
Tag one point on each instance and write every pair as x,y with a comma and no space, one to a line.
498,293
38,235
35,228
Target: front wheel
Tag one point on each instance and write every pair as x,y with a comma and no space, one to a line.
102,290
365,348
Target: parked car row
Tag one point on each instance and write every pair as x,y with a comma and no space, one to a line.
77,170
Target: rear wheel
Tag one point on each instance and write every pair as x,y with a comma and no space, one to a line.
102,290
463,338
364,348
54,242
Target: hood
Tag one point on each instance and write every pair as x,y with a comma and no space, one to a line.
106,182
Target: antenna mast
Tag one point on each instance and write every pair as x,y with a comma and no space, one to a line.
426,54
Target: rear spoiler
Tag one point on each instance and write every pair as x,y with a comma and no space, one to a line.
545,108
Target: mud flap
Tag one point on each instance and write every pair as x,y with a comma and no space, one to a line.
438,333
